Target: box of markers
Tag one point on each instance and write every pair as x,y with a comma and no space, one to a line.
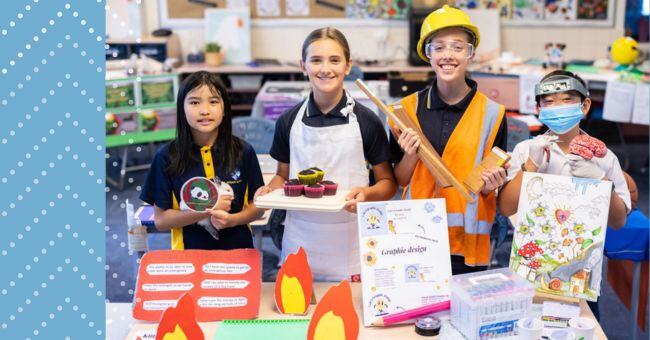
487,304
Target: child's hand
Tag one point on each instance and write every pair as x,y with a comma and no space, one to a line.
224,203
261,191
409,141
581,167
539,149
493,178
355,196
221,219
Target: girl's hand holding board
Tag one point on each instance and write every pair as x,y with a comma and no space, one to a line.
355,196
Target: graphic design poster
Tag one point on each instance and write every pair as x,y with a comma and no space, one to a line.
404,250
560,233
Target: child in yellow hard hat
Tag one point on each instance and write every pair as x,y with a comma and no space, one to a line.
463,125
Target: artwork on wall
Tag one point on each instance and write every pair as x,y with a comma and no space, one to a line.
231,28
547,12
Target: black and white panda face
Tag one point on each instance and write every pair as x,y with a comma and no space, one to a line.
199,194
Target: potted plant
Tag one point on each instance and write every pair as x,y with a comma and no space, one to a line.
213,55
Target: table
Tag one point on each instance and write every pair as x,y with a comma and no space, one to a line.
119,320
629,243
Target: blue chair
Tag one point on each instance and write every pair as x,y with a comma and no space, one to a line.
256,131
517,132
355,73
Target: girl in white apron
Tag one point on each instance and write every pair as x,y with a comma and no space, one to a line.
339,142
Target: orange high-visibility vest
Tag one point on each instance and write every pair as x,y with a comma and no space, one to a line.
472,139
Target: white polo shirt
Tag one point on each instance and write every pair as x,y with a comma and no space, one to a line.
559,165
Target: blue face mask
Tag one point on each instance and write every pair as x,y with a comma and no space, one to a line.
561,119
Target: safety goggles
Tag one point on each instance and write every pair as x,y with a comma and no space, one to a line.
455,48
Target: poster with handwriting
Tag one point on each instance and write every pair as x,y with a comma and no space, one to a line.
225,284
404,250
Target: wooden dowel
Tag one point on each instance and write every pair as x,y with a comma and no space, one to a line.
426,152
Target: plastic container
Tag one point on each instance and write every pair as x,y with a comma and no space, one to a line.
245,81
487,304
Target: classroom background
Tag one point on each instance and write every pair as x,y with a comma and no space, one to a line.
152,45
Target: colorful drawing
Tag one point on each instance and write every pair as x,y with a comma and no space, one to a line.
527,9
470,4
362,9
504,6
592,9
199,194
564,10
395,9
558,244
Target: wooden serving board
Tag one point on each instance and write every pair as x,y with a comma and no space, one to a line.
277,200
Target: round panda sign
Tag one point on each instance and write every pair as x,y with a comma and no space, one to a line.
199,194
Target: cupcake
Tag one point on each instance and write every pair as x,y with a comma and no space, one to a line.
314,190
308,177
293,188
320,173
330,188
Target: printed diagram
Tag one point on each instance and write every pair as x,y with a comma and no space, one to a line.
560,233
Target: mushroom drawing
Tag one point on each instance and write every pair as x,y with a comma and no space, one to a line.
528,266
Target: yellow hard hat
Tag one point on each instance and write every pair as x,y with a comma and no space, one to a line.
445,17
625,50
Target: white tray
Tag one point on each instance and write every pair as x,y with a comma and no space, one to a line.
277,200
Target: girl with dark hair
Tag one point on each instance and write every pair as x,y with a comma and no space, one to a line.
204,147
333,132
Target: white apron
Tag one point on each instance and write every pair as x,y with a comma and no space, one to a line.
331,240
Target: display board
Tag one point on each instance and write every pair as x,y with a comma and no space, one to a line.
140,109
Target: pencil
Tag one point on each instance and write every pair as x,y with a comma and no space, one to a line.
411,314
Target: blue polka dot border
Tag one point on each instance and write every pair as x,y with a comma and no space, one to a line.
52,202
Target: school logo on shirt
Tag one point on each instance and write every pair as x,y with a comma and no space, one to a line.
235,175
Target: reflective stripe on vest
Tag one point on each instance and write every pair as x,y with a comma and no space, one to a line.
469,224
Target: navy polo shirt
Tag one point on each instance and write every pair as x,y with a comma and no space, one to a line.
163,190
376,149
439,119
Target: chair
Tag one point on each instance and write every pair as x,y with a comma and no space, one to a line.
355,73
256,131
517,132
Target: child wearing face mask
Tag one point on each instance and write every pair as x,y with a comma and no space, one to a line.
463,125
562,101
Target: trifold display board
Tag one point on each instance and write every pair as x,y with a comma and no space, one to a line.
140,109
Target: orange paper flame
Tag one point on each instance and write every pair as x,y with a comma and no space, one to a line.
293,285
179,323
335,317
